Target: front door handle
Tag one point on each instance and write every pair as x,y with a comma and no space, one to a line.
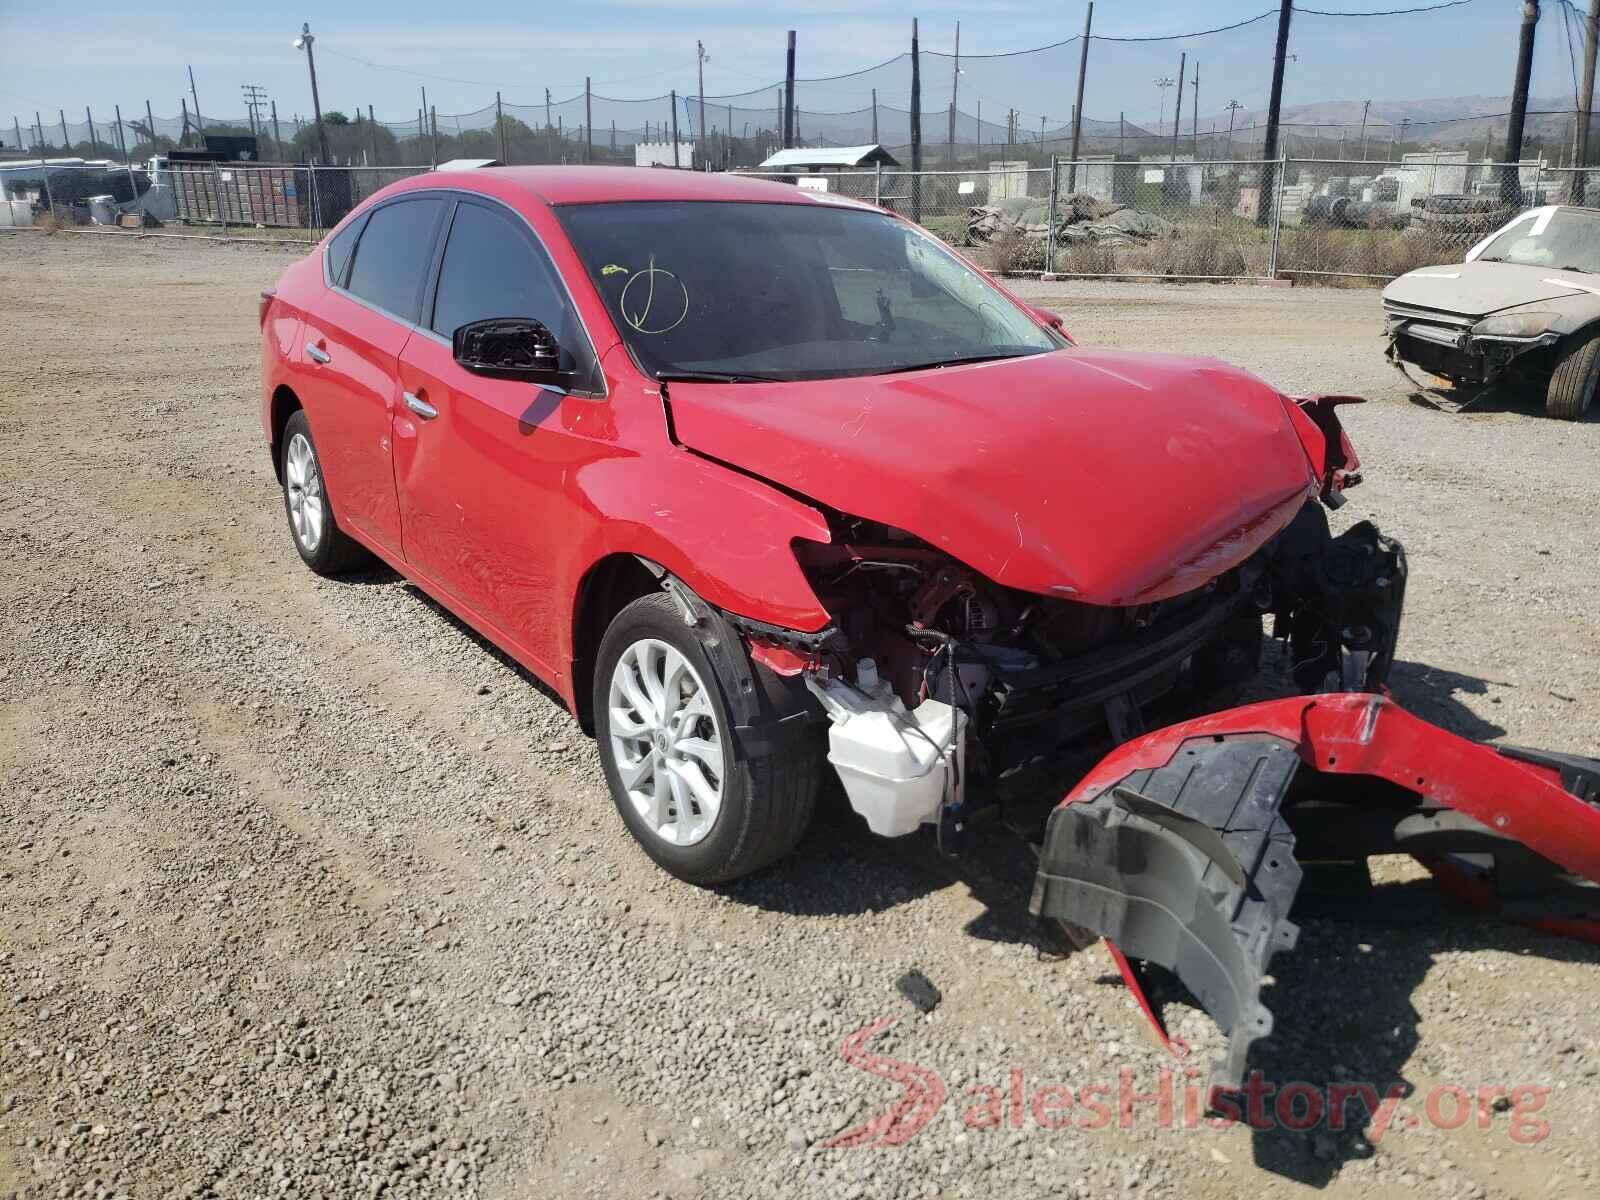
420,406
317,354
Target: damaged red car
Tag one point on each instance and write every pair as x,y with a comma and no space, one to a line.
769,484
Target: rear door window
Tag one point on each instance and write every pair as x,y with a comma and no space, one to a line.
392,257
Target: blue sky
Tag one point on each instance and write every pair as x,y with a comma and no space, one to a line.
69,54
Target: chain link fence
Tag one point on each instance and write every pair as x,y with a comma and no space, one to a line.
1346,222
275,202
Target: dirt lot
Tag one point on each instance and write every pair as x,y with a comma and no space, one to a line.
305,892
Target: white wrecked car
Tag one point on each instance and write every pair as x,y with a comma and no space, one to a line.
1524,305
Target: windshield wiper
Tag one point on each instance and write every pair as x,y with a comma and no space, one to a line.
957,362
715,377
1579,270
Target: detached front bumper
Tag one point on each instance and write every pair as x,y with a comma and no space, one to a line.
1181,847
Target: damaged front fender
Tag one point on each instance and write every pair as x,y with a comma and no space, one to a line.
1181,846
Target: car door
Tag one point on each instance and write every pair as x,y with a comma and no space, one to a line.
351,344
480,463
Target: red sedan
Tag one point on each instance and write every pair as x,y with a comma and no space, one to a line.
768,483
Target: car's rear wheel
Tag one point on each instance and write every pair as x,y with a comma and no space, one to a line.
324,547
1570,393
698,806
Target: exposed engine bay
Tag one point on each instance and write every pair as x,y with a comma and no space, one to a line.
1044,686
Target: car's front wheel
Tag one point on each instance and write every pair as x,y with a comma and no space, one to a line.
1570,393
698,806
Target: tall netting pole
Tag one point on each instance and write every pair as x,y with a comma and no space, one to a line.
1510,182
1269,151
955,84
675,161
916,127
788,95
1580,156
1077,112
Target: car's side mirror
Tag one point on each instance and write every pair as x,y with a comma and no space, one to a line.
511,348
1051,319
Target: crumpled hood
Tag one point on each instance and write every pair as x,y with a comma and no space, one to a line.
1100,475
1476,289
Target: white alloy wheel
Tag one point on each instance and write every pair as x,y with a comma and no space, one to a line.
666,742
302,485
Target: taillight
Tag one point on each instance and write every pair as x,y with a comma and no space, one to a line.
267,295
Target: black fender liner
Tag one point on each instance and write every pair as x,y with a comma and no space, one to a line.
1190,865
770,712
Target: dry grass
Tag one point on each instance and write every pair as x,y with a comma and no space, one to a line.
1015,252
1347,254
1086,258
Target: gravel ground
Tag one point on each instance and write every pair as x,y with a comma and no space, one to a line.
304,891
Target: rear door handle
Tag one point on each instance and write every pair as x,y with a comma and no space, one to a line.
420,406
317,354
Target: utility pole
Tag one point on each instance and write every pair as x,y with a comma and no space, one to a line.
305,42
254,97
425,129
1580,152
1510,182
875,111
588,120
276,136
1077,110
700,80
1194,117
1365,105
1269,151
916,126
500,127
1177,109
955,83
788,95
675,127
372,132
199,124
1233,107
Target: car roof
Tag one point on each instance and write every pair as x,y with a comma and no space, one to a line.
600,185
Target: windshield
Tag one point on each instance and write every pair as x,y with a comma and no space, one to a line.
789,291
1567,239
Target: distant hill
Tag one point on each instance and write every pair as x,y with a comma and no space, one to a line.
1442,121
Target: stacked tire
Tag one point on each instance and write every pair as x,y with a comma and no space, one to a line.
1457,222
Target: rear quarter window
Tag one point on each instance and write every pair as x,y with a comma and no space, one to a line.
339,250
392,256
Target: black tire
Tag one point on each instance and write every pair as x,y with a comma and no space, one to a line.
332,552
1571,390
767,800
